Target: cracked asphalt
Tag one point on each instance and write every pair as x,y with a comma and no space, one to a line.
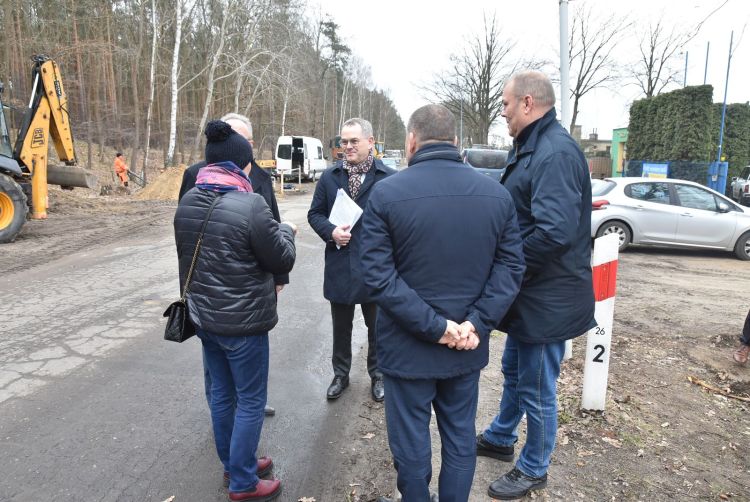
96,406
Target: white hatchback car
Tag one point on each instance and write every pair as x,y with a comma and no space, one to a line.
669,212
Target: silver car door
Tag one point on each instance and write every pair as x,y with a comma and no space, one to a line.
655,220
700,222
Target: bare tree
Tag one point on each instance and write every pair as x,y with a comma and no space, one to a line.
151,85
218,52
654,70
592,43
169,159
474,85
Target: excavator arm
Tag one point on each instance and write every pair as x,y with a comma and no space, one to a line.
25,172
47,119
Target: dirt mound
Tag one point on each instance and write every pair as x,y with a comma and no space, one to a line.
165,186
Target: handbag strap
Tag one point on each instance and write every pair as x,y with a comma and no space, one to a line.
198,247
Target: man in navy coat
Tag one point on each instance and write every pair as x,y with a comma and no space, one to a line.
356,174
548,178
442,257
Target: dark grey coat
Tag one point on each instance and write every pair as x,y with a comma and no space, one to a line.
232,291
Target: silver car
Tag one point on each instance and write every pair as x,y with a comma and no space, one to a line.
669,212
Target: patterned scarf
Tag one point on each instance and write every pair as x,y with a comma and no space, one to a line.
355,172
223,177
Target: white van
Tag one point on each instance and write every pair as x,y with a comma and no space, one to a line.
311,158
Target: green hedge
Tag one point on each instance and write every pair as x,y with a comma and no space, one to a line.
672,126
683,125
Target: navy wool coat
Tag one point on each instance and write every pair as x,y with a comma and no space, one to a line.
342,280
440,241
548,177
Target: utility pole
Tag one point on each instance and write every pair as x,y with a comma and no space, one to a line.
461,128
564,66
705,70
684,78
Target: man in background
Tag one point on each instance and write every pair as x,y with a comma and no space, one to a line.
121,169
343,286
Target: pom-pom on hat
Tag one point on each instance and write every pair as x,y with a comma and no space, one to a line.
224,144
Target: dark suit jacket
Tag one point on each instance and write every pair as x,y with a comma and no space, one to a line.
342,280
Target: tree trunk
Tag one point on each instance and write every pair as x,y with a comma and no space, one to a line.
169,160
151,89
210,90
136,96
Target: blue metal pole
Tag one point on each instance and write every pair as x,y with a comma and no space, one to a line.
724,106
684,79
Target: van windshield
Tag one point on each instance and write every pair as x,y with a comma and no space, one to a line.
284,152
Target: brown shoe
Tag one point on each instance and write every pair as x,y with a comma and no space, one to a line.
742,354
265,490
265,466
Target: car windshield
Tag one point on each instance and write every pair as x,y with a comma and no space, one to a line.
486,159
601,187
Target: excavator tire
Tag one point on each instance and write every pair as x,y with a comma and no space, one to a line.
13,209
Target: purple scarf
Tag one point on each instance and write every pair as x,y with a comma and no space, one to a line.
223,177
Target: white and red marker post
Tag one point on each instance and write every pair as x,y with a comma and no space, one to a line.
599,339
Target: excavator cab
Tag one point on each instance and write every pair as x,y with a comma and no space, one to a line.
6,150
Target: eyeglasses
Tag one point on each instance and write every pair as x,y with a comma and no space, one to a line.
354,142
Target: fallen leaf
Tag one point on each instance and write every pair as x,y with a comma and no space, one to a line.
565,440
170,499
369,435
724,496
306,499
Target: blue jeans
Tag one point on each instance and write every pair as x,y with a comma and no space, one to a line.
239,374
407,416
530,386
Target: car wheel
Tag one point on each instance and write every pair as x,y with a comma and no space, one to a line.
742,247
619,228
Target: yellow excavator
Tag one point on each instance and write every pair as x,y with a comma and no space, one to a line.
24,169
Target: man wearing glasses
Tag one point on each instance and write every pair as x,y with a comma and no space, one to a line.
343,286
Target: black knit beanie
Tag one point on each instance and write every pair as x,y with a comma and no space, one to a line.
224,144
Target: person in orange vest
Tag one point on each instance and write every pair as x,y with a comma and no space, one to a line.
121,169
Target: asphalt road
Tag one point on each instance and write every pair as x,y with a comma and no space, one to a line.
94,405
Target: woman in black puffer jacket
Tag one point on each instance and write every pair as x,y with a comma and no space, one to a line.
232,301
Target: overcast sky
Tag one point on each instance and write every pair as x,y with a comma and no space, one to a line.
406,42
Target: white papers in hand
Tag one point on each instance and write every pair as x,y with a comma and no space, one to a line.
345,211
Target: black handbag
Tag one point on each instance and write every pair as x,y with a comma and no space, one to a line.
179,326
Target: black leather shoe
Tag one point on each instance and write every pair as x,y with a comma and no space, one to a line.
487,449
377,389
514,485
268,411
337,387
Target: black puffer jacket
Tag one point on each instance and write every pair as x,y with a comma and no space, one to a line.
232,290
